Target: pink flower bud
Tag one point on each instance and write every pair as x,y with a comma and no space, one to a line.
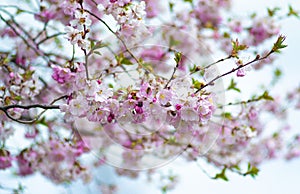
240,73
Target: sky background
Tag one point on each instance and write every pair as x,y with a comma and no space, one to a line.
275,177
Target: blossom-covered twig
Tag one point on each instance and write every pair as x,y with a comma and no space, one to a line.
277,46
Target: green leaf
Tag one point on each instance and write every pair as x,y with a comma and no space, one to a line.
222,175
196,68
227,115
193,69
226,35
236,47
173,42
121,59
164,189
189,1
58,42
92,44
178,57
171,6
279,44
126,61
171,140
277,72
273,11
148,66
197,84
95,46
292,12
232,86
266,96
27,75
19,11
202,72
253,15
97,53
252,171
277,76
42,121
99,45
110,85
236,167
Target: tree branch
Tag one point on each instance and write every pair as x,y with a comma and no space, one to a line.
257,58
118,37
27,107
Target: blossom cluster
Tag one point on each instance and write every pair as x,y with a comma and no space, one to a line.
55,159
77,32
141,102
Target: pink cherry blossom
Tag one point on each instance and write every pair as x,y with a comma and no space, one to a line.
241,72
5,159
164,96
189,114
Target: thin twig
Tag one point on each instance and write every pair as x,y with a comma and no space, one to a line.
17,24
241,102
221,60
23,38
41,32
122,41
16,7
49,37
86,64
172,76
257,58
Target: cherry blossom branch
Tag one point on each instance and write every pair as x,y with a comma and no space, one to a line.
198,68
118,37
219,61
86,64
242,102
37,51
236,47
34,45
16,23
257,58
17,33
202,169
123,43
5,108
27,107
177,59
41,32
86,55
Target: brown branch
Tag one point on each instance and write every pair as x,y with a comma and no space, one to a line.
241,102
34,47
257,58
17,24
27,107
23,38
173,73
220,60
